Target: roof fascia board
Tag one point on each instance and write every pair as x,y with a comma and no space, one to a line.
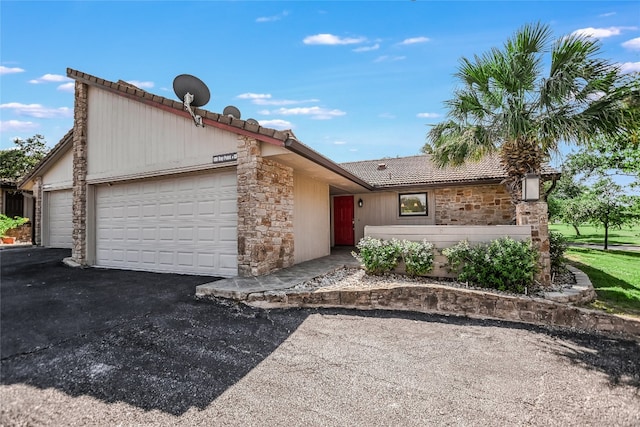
177,108
306,152
56,152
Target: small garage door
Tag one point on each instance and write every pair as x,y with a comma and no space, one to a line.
182,225
59,219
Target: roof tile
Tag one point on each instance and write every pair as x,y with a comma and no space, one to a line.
421,170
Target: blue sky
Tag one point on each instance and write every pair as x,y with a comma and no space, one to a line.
354,80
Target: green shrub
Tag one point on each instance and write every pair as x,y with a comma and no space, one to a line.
417,257
7,223
557,247
503,264
382,256
378,256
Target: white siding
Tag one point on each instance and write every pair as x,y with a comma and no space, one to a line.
127,138
382,209
310,218
58,223
444,236
60,175
182,224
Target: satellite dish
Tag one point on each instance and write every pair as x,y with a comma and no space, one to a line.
232,111
186,83
252,122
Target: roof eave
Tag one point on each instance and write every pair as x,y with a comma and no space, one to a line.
56,152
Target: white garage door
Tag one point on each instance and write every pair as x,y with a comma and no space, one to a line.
182,225
59,220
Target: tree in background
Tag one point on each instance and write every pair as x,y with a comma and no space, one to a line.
609,207
510,105
16,162
567,203
618,154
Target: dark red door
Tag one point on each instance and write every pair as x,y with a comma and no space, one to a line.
343,220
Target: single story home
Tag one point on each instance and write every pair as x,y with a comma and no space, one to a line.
137,185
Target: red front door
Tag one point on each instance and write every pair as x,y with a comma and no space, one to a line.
343,220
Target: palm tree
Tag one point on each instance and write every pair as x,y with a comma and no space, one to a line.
509,104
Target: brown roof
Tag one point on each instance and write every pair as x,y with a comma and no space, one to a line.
421,170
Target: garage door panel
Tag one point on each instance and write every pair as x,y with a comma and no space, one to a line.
59,217
185,225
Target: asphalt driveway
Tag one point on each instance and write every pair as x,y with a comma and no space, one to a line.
110,347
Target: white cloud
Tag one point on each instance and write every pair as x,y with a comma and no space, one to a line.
604,15
386,116
353,150
340,142
601,33
317,113
141,85
387,58
67,87
629,67
250,95
428,115
276,124
264,112
330,39
367,48
17,125
273,18
10,70
633,44
415,40
50,78
265,99
38,111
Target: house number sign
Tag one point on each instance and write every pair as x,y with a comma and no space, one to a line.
221,158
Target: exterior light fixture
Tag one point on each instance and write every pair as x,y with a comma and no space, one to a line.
531,187
360,203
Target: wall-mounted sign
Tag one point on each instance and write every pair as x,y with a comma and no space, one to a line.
221,158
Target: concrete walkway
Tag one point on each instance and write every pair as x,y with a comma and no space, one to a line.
240,287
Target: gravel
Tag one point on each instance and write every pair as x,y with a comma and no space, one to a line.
352,278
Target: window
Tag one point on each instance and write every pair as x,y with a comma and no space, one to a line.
413,204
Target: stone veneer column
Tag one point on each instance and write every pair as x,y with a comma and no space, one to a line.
79,204
265,212
37,219
535,214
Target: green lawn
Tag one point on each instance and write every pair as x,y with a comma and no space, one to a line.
591,234
615,276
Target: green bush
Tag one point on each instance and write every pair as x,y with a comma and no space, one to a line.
417,257
503,264
378,256
557,247
7,223
382,256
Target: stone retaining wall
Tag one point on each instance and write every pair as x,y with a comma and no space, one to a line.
447,300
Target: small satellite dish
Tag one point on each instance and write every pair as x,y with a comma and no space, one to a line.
192,92
252,122
232,111
186,83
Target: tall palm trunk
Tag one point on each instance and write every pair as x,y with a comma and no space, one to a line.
519,157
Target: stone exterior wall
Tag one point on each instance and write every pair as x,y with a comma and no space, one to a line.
265,212
37,220
535,214
79,250
474,205
22,233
